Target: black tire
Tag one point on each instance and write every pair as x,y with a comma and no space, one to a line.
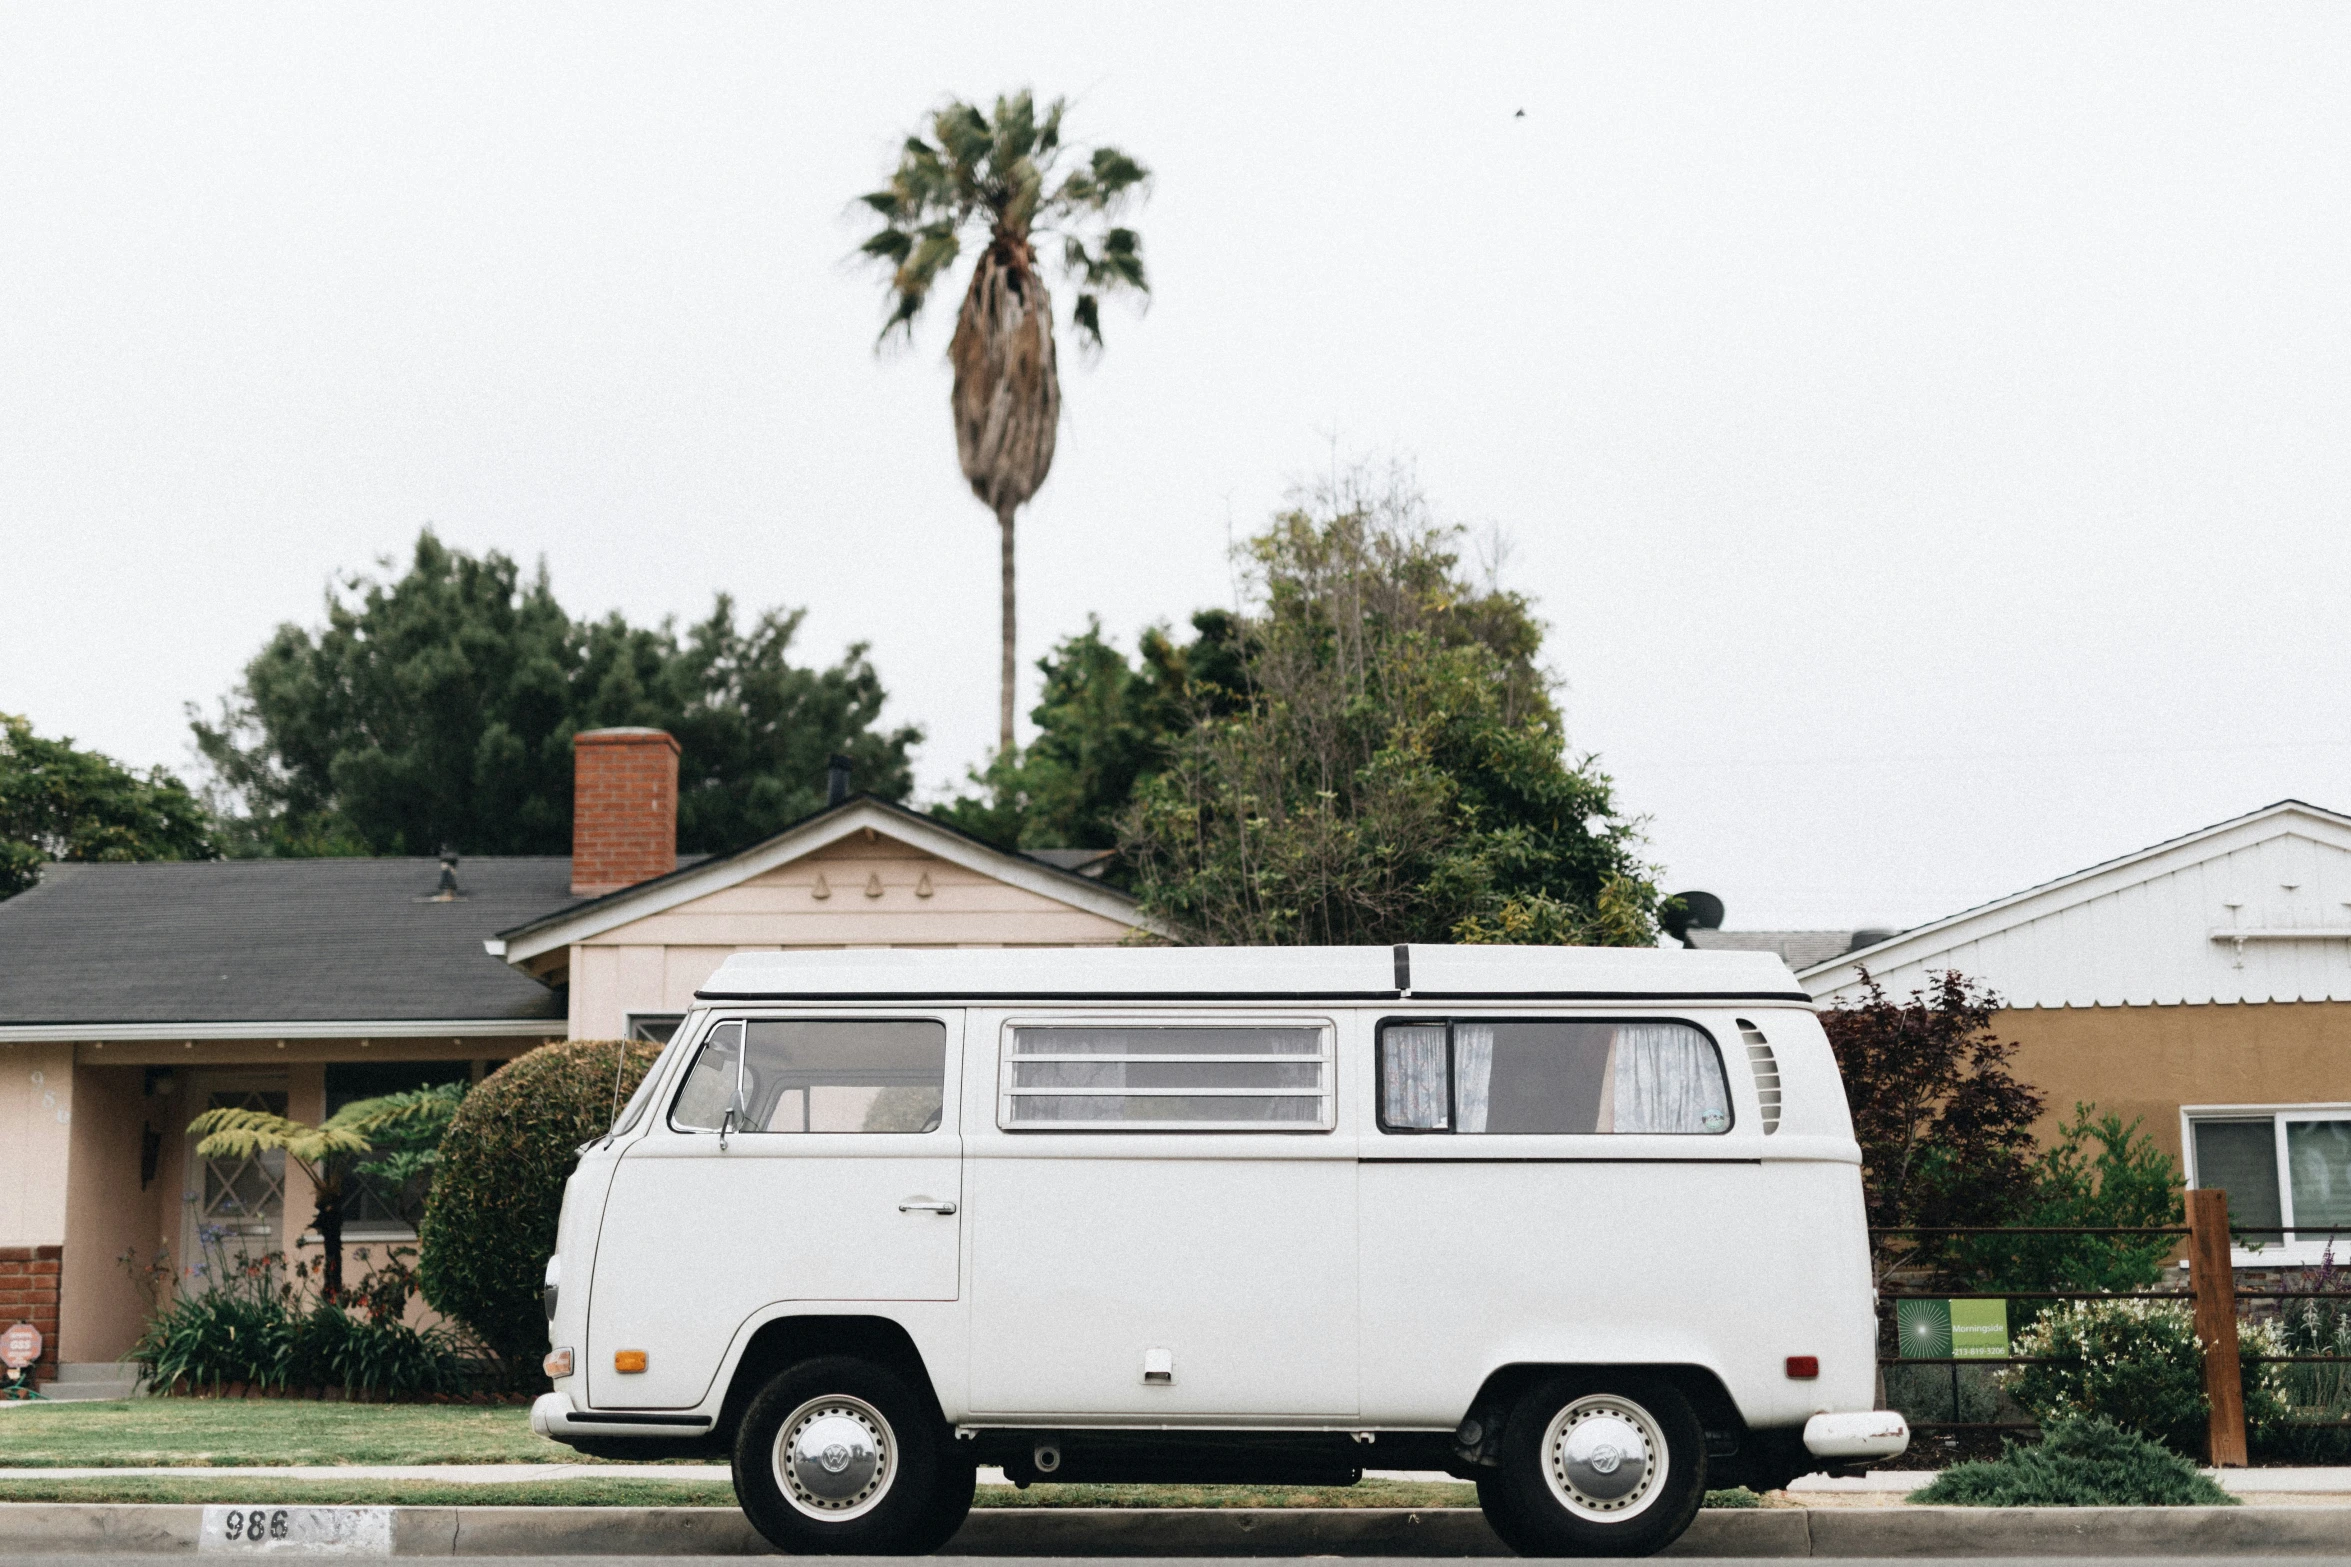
897,1488
1547,1499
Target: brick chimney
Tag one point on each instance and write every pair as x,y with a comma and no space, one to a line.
624,808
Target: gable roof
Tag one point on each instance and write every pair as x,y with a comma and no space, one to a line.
2255,908
197,946
583,921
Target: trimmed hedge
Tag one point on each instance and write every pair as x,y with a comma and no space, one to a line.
489,1224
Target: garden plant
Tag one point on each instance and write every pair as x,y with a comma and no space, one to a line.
2081,1461
2136,1364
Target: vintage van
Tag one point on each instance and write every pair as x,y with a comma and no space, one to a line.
1581,1225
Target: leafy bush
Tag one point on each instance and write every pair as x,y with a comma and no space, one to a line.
489,1223
2079,1463
1736,1496
241,1319
2136,1363
2101,1172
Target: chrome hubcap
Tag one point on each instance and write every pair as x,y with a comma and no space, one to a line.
1605,1457
835,1458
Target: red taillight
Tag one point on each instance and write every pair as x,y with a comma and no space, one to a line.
1803,1368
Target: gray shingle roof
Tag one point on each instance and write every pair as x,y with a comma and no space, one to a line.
337,940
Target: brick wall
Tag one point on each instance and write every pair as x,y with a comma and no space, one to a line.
28,1293
624,808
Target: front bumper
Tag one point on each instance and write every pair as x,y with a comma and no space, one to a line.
553,1416
1881,1433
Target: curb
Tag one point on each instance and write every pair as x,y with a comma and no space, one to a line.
80,1528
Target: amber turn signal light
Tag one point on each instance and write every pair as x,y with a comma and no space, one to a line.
557,1363
1801,1368
628,1360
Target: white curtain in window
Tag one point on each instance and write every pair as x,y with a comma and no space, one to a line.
1473,1074
1412,1091
1667,1080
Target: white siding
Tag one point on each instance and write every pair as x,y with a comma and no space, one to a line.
2139,931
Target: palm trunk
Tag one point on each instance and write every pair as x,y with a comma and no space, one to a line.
327,1219
1010,659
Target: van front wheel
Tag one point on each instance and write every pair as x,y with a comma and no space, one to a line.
840,1456
1597,1466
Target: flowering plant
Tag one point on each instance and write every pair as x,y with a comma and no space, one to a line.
2137,1363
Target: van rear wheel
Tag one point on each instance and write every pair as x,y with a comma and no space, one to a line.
1597,1466
841,1456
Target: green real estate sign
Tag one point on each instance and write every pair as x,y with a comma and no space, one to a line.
1952,1329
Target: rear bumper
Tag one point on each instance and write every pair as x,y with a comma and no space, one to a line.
1881,1433
553,1416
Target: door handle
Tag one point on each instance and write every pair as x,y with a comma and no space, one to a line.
925,1205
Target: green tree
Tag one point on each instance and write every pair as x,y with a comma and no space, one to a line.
1103,726
58,802
2102,1172
326,1152
439,708
1001,178
1393,768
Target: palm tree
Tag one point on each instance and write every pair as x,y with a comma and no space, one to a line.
1000,177
325,1151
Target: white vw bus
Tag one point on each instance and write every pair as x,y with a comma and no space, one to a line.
1581,1225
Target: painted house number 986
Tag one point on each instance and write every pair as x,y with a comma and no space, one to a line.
255,1526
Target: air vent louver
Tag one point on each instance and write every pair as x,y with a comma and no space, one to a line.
1766,1067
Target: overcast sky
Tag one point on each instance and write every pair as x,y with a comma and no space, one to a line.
1923,428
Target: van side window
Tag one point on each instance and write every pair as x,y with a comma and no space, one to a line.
710,1081
1247,1078
1550,1078
844,1075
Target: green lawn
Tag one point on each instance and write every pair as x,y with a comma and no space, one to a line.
200,1432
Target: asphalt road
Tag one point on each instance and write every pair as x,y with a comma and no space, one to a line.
148,1560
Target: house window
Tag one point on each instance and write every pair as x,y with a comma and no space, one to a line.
384,1191
1550,1078
1250,1077
658,1027
2287,1172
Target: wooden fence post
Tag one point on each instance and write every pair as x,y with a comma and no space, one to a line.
2215,1285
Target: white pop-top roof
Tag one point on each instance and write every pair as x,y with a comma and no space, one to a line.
2256,908
1628,974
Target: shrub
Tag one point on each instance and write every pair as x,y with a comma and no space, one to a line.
1736,1496
2136,1363
2083,1462
489,1223
239,1319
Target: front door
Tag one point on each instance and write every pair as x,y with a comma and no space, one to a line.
811,1159
237,1204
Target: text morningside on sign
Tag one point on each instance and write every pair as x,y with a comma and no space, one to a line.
1953,1329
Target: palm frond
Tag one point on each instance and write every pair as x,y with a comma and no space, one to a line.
1049,132
245,1134
1016,129
412,1109
1086,321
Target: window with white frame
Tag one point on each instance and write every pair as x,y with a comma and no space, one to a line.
2287,1171
1268,1077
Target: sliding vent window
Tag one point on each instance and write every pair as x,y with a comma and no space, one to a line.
1550,1079
1169,1078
